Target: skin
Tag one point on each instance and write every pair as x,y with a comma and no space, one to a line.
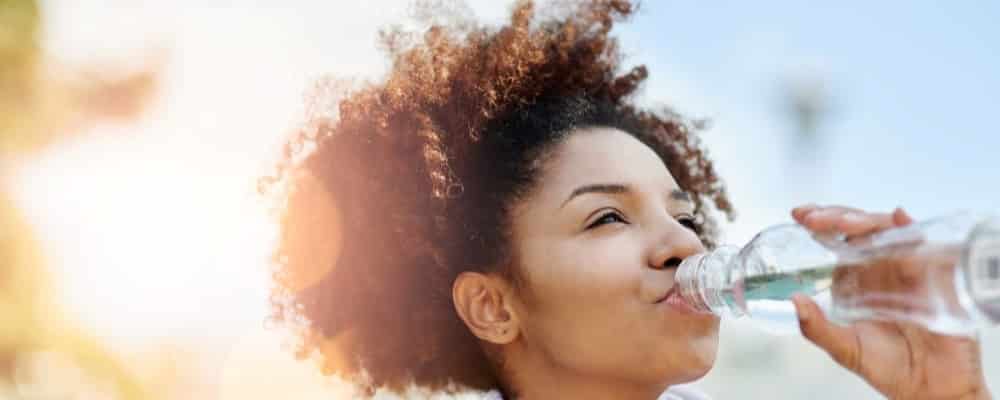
589,322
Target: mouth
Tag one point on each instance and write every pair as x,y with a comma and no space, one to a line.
666,295
673,300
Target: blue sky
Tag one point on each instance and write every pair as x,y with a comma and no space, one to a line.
913,90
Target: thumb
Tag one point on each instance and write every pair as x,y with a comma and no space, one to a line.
839,342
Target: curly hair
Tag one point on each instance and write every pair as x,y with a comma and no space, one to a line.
397,186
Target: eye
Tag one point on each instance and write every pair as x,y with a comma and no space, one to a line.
607,218
689,222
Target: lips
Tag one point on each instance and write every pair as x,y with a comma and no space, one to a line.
674,300
666,295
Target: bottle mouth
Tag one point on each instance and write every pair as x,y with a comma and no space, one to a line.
688,284
701,278
690,265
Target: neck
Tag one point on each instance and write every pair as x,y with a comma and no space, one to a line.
534,377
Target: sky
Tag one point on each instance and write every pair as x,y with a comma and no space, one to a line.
912,89
156,233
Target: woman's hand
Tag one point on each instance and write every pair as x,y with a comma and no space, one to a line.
901,360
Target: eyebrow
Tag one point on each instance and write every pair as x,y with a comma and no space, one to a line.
617,188
609,188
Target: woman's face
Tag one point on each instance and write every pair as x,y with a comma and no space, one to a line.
598,242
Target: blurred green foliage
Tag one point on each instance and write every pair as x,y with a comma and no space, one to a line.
41,102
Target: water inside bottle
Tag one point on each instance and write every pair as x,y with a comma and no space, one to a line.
933,294
766,297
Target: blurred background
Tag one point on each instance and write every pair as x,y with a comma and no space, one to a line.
133,249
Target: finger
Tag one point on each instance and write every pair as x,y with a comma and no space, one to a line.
825,219
860,224
798,213
839,342
900,217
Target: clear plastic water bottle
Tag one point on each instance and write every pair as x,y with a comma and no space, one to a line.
942,273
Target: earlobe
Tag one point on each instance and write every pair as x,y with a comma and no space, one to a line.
483,302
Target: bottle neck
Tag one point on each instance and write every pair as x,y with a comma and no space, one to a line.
703,278
689,283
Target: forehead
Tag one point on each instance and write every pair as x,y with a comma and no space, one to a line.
605,155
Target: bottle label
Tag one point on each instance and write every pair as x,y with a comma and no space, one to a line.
984,270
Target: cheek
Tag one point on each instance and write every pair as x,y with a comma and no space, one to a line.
583,297
587,315
580,274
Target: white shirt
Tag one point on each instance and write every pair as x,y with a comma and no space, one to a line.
683,392
676,392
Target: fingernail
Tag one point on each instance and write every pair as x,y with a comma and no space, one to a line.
900,211
804,208
854,217
818,214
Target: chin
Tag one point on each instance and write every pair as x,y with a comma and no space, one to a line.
690,373
700,357
688,363
700,369
691,369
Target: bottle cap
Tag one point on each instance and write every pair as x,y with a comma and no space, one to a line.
982,260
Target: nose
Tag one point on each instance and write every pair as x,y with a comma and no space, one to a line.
673,245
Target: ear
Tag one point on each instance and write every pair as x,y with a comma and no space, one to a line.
485,304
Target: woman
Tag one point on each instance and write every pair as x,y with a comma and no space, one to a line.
497,214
